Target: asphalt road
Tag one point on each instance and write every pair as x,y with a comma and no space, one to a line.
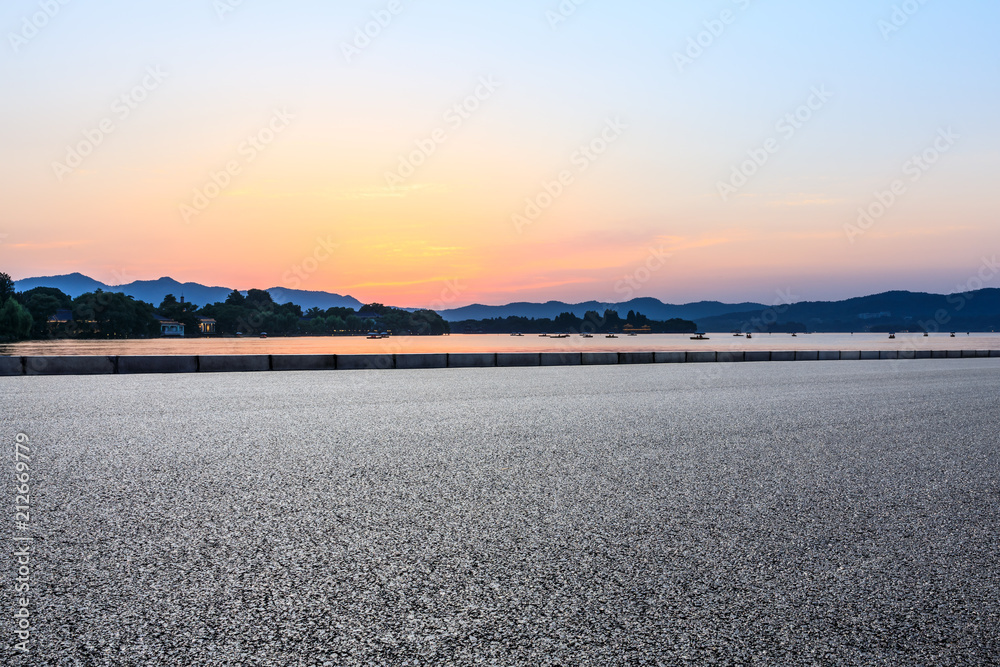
777,513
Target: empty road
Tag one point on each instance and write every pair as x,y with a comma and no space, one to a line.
778,513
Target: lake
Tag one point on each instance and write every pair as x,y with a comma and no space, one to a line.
499,343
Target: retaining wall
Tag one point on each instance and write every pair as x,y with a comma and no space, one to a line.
97,365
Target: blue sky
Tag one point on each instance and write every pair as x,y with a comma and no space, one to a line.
893,80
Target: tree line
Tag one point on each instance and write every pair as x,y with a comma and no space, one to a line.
591,322
101,314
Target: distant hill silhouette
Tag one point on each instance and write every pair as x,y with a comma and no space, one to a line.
889,311
652,308
73,284
153,291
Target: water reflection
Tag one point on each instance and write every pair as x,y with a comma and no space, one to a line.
499,343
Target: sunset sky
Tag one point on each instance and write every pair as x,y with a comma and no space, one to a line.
706,150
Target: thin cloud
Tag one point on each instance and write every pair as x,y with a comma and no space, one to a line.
50,245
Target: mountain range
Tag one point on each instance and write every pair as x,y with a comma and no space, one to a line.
977,310
153,291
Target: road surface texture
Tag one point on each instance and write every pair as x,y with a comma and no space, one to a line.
823,513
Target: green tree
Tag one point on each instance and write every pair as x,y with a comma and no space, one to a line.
613,321
335,324
289,308
259,299
354,323
236,298
42,303
113,315
227,316
185,313
428,323
374,308
6,288
339,311
15,321
566,322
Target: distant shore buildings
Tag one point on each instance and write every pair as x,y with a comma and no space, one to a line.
169,327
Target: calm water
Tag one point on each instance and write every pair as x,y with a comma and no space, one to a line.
501,343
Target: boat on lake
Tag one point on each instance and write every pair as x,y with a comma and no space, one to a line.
699,336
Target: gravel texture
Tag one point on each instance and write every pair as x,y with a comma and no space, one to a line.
792,514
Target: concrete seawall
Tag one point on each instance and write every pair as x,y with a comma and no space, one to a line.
95,365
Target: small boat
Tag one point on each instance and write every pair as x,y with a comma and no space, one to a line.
516,333
542,335
263,334
633,334
559,336
699,336
926,334
749,335
795,335
737,333
611,336
587,335
952,334
892,335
